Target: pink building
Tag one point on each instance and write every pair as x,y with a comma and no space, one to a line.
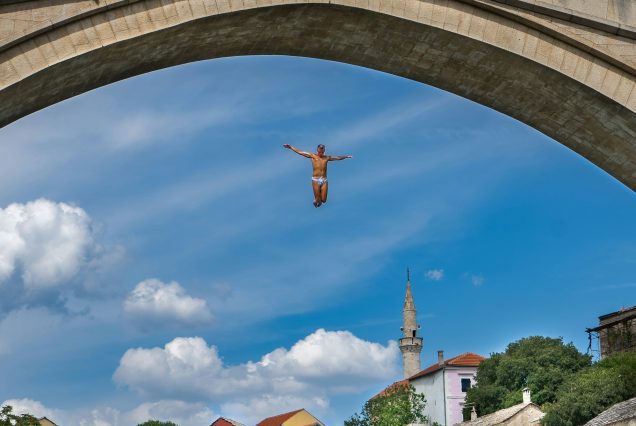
445,384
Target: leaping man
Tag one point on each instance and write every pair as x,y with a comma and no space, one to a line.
319,177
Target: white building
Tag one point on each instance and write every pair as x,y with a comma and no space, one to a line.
445,384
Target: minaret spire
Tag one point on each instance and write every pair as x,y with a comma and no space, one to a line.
410,344
409,304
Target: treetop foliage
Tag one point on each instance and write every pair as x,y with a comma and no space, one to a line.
540,363
156,423
588,393
7,418
398,405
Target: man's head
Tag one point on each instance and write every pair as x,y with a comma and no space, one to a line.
320,149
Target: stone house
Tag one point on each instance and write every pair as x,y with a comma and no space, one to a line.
525,414
616,332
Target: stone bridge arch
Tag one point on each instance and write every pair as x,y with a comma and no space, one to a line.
557,66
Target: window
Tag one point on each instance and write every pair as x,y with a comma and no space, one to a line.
465,385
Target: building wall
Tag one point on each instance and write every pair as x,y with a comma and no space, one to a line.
432,386
454,396
530,415
302,418
618,337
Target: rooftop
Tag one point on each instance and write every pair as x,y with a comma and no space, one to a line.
625,410
279,419
468,359
223,421
498,416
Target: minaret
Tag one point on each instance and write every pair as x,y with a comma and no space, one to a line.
410,344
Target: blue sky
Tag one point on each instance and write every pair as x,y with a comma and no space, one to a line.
161,256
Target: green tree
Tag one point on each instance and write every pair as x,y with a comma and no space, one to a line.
398,405
594,389
7,418
542,364
156,423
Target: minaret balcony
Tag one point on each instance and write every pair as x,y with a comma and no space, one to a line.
410,341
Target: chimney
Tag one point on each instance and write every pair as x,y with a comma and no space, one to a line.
526,396
440,357
473,414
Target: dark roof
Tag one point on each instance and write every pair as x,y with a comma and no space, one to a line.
623,310
622,411
279,419
467,359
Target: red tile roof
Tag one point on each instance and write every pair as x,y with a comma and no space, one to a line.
467,359
278,420
404,382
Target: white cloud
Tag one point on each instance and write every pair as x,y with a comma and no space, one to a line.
477,280
49,255
180,412
29,406
153,302
322,364
435,274
48,242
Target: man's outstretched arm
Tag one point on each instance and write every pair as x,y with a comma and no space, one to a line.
297,151
339,157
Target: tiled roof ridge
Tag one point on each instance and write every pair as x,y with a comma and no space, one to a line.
278,419
454,361
450,361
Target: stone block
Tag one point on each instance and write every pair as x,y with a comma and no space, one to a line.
597,74
425,14
624,89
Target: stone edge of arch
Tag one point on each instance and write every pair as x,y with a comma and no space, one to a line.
492,6
551,10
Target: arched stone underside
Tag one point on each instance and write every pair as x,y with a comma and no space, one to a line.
580,94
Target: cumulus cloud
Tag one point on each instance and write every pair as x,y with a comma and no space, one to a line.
180,412
48,251
435,274
322,364
47,242
153,302
29,406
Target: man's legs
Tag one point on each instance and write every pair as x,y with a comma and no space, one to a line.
323,192
317,197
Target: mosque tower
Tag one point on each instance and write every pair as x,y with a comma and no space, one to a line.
410,344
